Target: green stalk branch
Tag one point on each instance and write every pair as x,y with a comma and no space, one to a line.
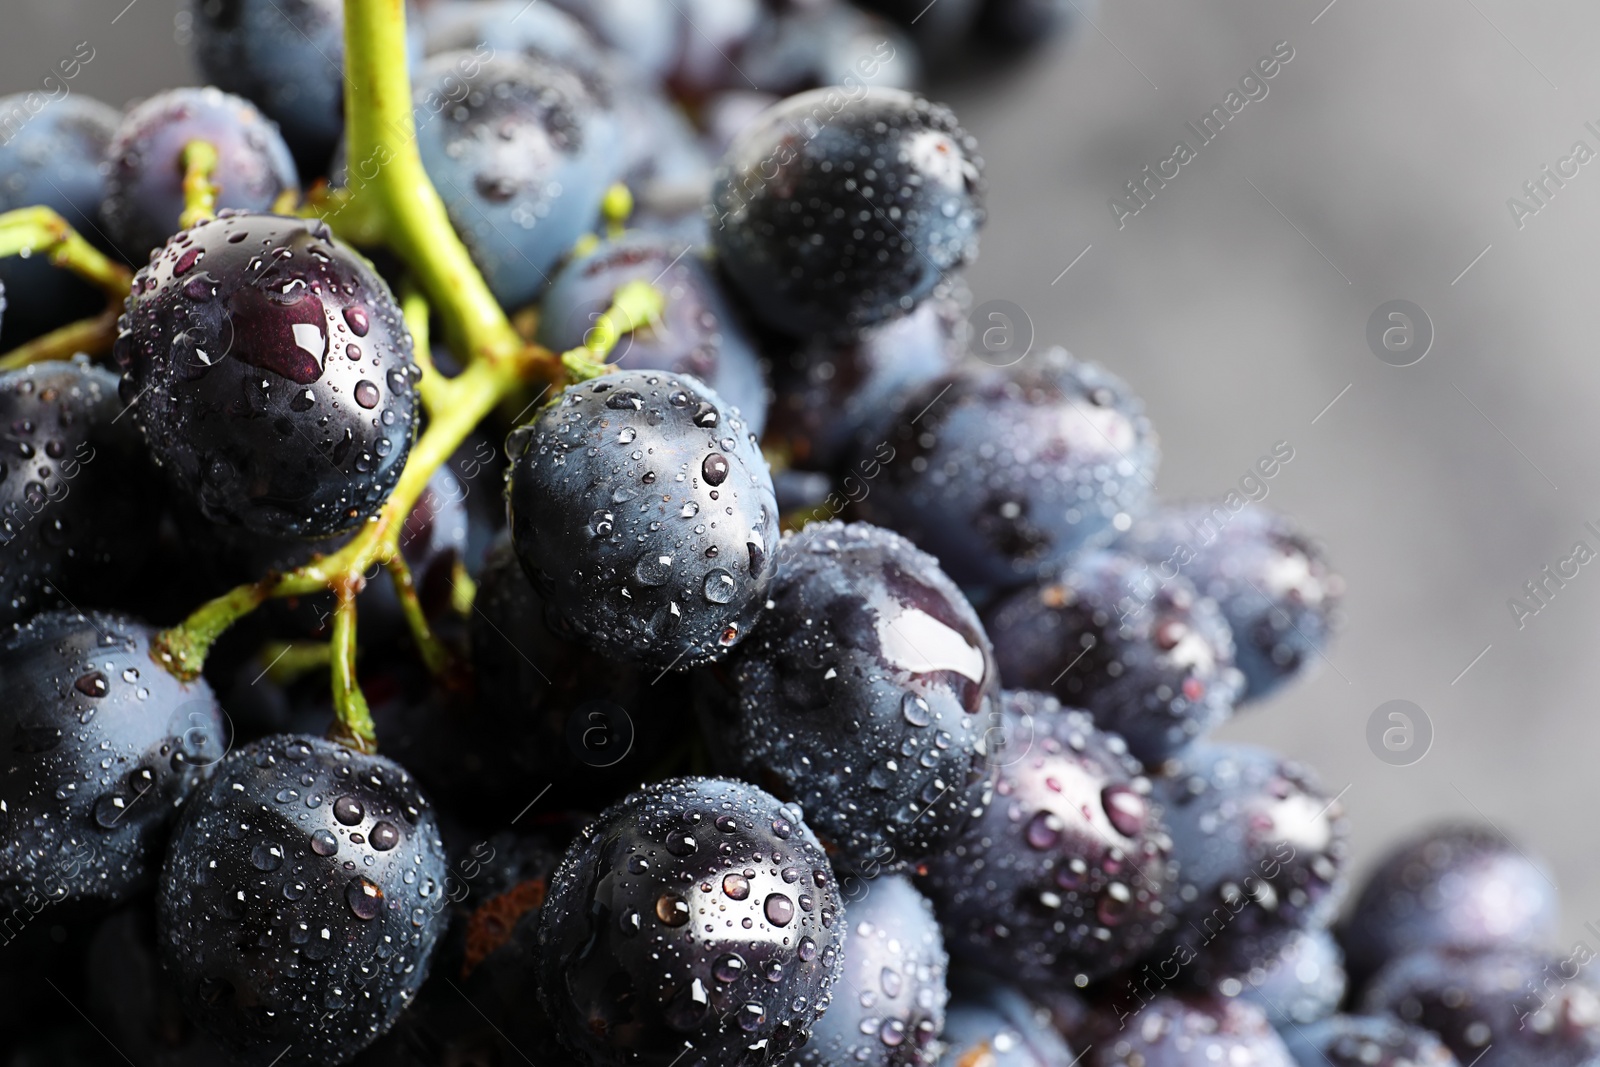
381,138
199,190
352,717
414,307
34,230
633,306
92,336
437,658
31,230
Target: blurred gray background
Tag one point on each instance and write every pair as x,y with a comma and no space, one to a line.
1377,168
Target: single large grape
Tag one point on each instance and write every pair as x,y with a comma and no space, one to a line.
296,910
144,177
643,512
271,374
837,210
695,923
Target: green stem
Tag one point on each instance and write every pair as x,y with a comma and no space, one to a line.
182,649
31,230
633,306
414,308
467,399
437,658
92,336
381,138
463,590
289,660
199,190
353,718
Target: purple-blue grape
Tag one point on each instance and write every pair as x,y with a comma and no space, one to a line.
1005,475
295,910
52,159
521,150
1366,1041
698,333
835,211
1067,877
643,512
286,56
144,179
993,1025
889,1007
1152,662
1273,583
867,695
834,396
1456,886
103,747
76,494
696,922
271,374
1188,1030
1261,851
1508,1007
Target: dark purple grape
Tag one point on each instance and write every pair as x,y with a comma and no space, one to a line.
102,747
1067,877
1273,583
710,34
830,45
1366,1041
522,150
1151,661
512,27
698,333
889,1010
1005,475
643,512
1511,1007
1019,24
645,32
866,695
52,159
835,396
1184,1031
271,373
550,711
991,1025
76,516
1452,886
287,56
296,912
1261,852
144,180
833,211
1302,982
938,28
133,1002
697,922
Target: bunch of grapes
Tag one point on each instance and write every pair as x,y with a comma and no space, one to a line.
527,568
